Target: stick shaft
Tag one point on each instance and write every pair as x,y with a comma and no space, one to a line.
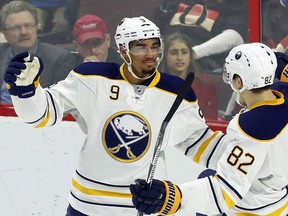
180,96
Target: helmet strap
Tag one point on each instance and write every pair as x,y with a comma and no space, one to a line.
238,92
129,64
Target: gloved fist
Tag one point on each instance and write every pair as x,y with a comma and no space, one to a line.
23,74
162,197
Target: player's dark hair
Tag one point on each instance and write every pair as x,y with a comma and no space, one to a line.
256,90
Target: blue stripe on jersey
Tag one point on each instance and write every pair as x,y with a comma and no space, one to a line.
197,141
213,150
214,194
229,186
106,69
102,204
258,208
101,183
264,122
45,112
54,107
173,84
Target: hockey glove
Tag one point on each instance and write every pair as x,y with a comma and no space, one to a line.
162,197
23,74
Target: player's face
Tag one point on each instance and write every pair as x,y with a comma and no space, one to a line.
94,49
144,56
21,31
178,58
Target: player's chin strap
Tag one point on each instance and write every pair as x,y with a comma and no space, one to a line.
129,64
238,91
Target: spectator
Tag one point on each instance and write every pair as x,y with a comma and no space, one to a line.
213,26
178,60
274,34
72,13
19,21
92,40
51,15
252,170
121,109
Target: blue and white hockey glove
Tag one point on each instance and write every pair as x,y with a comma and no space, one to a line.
23,74
163,197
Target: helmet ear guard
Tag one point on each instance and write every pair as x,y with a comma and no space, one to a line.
255,63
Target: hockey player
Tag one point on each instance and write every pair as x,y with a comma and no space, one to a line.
252,174
120,109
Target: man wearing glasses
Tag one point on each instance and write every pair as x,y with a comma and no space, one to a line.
19,25
92,41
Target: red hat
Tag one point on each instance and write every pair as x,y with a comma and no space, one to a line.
89,26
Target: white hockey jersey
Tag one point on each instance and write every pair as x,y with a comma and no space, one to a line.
121,122
252,174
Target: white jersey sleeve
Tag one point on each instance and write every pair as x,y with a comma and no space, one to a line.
252,174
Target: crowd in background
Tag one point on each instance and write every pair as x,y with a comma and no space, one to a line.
212,28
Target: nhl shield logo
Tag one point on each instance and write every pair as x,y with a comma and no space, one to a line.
126,136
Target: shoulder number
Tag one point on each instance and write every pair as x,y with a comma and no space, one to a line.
234,159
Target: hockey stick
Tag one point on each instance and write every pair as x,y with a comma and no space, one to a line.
181,94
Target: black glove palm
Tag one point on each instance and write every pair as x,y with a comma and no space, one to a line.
162,197
148,201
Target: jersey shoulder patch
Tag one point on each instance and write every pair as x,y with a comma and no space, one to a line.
264,122
173,84
106,69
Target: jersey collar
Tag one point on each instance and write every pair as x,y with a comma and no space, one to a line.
149,84
279,100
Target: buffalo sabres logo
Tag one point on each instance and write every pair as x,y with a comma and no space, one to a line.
126,136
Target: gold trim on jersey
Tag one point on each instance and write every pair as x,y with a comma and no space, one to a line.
155,80
274,213
279,210
44,122
279,100
203,146
228,200
152,84
95,192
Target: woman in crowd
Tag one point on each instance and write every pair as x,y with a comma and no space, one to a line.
178,60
